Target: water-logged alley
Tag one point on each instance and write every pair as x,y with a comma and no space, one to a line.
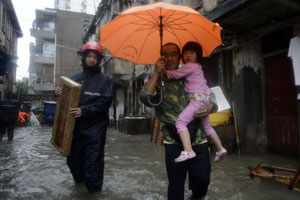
30,168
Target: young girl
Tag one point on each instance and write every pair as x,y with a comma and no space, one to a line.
195,85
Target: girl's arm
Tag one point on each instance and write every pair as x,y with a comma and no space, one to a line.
182,72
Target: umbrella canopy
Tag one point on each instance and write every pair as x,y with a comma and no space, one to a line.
138,33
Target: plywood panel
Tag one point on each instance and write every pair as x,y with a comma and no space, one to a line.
64,123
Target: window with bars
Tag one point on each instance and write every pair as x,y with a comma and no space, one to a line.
48,49
1,9
3,19
56,4
68,4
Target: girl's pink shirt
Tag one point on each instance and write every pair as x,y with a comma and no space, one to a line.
194,78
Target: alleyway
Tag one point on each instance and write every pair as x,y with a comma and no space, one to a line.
30,168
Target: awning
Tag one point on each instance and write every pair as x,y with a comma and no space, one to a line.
240,16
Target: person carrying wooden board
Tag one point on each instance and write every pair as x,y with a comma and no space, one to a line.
86,160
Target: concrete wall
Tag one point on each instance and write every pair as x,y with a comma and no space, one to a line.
247,93
69,33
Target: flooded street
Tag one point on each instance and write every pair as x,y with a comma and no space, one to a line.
31,168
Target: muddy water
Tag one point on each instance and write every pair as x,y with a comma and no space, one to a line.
30,168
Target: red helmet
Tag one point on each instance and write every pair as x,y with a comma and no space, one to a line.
93,46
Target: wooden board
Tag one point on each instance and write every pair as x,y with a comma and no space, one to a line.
63,126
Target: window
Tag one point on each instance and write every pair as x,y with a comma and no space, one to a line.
3,18
83,8
56,4
179,2
49,26
48,49
68,5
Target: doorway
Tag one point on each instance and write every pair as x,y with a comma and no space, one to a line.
281,102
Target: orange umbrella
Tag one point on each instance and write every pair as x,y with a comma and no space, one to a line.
138,33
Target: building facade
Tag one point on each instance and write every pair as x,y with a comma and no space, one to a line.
58,35
82,6
9,33
255,71
41,66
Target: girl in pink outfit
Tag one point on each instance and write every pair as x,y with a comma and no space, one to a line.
196,87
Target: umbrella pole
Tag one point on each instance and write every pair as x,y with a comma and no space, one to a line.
160,33
161,75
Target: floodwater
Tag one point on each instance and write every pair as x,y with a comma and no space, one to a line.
31,168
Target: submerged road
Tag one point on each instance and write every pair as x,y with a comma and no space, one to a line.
31,168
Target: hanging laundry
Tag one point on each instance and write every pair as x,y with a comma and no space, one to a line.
294,54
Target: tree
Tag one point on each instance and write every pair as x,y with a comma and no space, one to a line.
21,87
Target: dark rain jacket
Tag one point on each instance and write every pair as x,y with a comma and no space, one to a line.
95,100
9,109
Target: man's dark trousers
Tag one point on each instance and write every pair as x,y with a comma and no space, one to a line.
198,168
9,128
86,160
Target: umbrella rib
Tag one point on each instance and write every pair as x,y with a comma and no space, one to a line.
178,23
153,28
175,19
172,19
145,28
145,19
152,24
171,15
143,24
149,33
184,29
166,20
129,36
173,33
170,30
149,26
156,20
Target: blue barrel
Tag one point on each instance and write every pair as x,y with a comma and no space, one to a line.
49,111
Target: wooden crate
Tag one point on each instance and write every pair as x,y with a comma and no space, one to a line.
63,126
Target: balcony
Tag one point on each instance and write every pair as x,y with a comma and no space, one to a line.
42,59
42,87
42,34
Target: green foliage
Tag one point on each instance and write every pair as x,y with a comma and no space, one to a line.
97,36
21,87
